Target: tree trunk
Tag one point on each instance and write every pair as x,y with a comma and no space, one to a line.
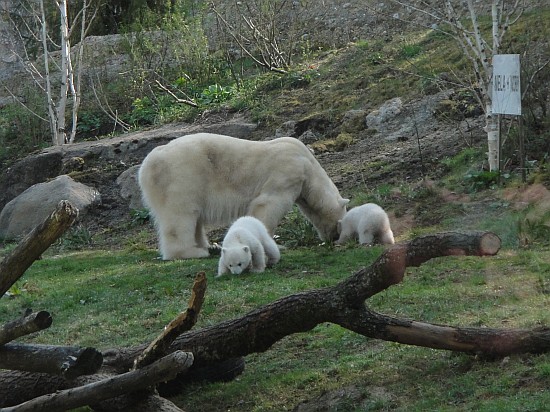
35,243
182,323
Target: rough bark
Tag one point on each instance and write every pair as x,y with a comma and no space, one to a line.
35,243
68,361
29,323
110,387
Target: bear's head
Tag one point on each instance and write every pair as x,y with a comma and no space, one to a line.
236,259
325,216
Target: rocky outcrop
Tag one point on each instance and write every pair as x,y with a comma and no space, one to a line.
109,165
35,204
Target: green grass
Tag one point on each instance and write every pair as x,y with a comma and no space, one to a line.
124,297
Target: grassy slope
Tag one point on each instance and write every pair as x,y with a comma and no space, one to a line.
105,298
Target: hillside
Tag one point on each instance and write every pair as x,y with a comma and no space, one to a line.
389,115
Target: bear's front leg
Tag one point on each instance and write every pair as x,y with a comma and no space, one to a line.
366,238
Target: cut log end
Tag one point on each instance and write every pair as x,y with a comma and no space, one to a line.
489,244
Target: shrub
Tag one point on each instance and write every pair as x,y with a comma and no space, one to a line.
295,231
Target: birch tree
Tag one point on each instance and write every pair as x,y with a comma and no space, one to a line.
59,73
478,46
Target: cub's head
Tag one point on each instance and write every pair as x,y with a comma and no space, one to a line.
236,259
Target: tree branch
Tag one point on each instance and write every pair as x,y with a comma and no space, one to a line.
35,243
182,323
30,323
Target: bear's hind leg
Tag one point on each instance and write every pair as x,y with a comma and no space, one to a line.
366,237
177,239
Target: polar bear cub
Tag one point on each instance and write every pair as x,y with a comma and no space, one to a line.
245,246
366,222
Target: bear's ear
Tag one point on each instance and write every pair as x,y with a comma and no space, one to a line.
343,202
246,249
223,250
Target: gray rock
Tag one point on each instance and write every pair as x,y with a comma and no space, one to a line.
308,137
287,129
353,121
129,187
35,204
389,110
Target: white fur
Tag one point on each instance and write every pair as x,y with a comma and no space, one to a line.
246,246
208,179
366,222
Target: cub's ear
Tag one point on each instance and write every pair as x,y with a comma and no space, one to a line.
246,249
343,202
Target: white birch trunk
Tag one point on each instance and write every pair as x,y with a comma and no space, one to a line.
64,73
491,125
52,112
75,77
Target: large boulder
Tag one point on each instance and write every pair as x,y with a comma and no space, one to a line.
129,187
35,204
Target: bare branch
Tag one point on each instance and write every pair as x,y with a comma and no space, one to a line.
176,98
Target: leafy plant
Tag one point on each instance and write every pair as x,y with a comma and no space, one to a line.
215,94
481,180
534,230
140,216
76,238
143,112
88,122
15,291
295,231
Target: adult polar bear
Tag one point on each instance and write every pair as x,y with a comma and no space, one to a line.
209,179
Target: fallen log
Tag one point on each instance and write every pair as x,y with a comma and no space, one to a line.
29,323
35,243
164,369
68,361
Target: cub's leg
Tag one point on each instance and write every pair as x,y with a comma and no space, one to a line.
348,232
386,237
272,252
258,256
222,269
366,237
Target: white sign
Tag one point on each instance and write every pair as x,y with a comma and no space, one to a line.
506,84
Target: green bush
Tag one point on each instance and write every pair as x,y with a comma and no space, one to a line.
295,231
